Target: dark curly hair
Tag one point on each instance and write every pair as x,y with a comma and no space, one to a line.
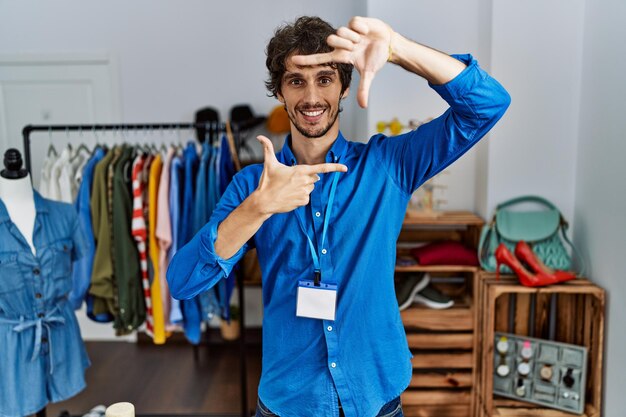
306,36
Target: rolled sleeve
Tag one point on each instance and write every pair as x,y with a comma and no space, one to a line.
477,101
210,258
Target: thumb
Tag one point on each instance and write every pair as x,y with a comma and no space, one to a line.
364,88
268,151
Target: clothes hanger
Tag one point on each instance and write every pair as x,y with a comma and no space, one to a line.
51,149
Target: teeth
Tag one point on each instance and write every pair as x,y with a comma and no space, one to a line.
313,113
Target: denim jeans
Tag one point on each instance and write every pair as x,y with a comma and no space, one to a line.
392,409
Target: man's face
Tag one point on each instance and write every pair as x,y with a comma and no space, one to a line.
311,97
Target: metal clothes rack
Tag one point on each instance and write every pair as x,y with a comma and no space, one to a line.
211,128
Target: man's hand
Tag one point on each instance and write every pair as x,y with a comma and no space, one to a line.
282,188
364,43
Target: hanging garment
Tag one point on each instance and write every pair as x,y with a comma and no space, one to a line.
175,203
139,232
227,167
101,288
153,250
164,232
131,308
221,296
67,179
225,174
201,213
78,172
42,356
81,269
191,161
46,174
117,153
54,191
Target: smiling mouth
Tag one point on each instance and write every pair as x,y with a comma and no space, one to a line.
312,116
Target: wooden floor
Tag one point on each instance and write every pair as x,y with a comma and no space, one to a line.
165,379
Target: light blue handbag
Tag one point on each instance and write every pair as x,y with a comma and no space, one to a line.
540,229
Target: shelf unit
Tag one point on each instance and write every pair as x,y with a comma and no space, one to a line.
443,342
505,303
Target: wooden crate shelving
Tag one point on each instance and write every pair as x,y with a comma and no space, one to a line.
442,341
580,320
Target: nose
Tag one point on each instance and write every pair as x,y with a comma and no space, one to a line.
311,94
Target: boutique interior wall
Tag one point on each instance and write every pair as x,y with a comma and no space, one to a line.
559,59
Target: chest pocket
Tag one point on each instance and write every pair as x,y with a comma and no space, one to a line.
11,278
61,264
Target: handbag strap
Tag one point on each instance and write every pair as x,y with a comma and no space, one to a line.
581,260
524,199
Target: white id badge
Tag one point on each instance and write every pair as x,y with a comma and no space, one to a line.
316,302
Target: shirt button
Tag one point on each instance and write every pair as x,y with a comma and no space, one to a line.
333,365
44,340
36,271
324,251
329,328
38,295
317,214
40,315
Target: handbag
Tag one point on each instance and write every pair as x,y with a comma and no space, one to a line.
539,228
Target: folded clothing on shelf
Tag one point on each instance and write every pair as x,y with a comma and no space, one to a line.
446,252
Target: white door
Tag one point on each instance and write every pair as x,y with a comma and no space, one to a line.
57,89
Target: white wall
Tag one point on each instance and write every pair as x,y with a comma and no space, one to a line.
600,190
451,26
174,57
536,55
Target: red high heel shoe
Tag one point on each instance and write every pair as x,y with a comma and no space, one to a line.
504,256
525,254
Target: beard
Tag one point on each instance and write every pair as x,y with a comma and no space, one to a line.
313,132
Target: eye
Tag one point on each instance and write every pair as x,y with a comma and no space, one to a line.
325,80
295,81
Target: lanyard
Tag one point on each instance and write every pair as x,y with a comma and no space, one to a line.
329,206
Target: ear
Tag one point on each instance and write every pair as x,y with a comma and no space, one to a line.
280,97
346,93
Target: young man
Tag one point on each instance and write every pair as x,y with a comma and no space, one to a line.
324,215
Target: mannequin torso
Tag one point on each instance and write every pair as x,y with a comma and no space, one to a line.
17,196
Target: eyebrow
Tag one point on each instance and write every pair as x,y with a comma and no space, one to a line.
322,73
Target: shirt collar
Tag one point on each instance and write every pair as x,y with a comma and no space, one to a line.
335,153
40,207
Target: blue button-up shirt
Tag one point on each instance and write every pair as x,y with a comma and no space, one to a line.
363,355
42,356
81,270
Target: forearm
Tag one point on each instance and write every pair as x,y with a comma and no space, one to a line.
436,67
240,225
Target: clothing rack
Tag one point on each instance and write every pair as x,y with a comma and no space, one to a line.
211,128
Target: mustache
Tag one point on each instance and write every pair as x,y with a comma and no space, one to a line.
309,107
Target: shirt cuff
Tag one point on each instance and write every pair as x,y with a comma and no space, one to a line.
210,258
465,81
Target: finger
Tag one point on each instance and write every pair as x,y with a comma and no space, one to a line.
312,179
268,150
326,168
358,25
340,43
315,59
346,33
364,88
